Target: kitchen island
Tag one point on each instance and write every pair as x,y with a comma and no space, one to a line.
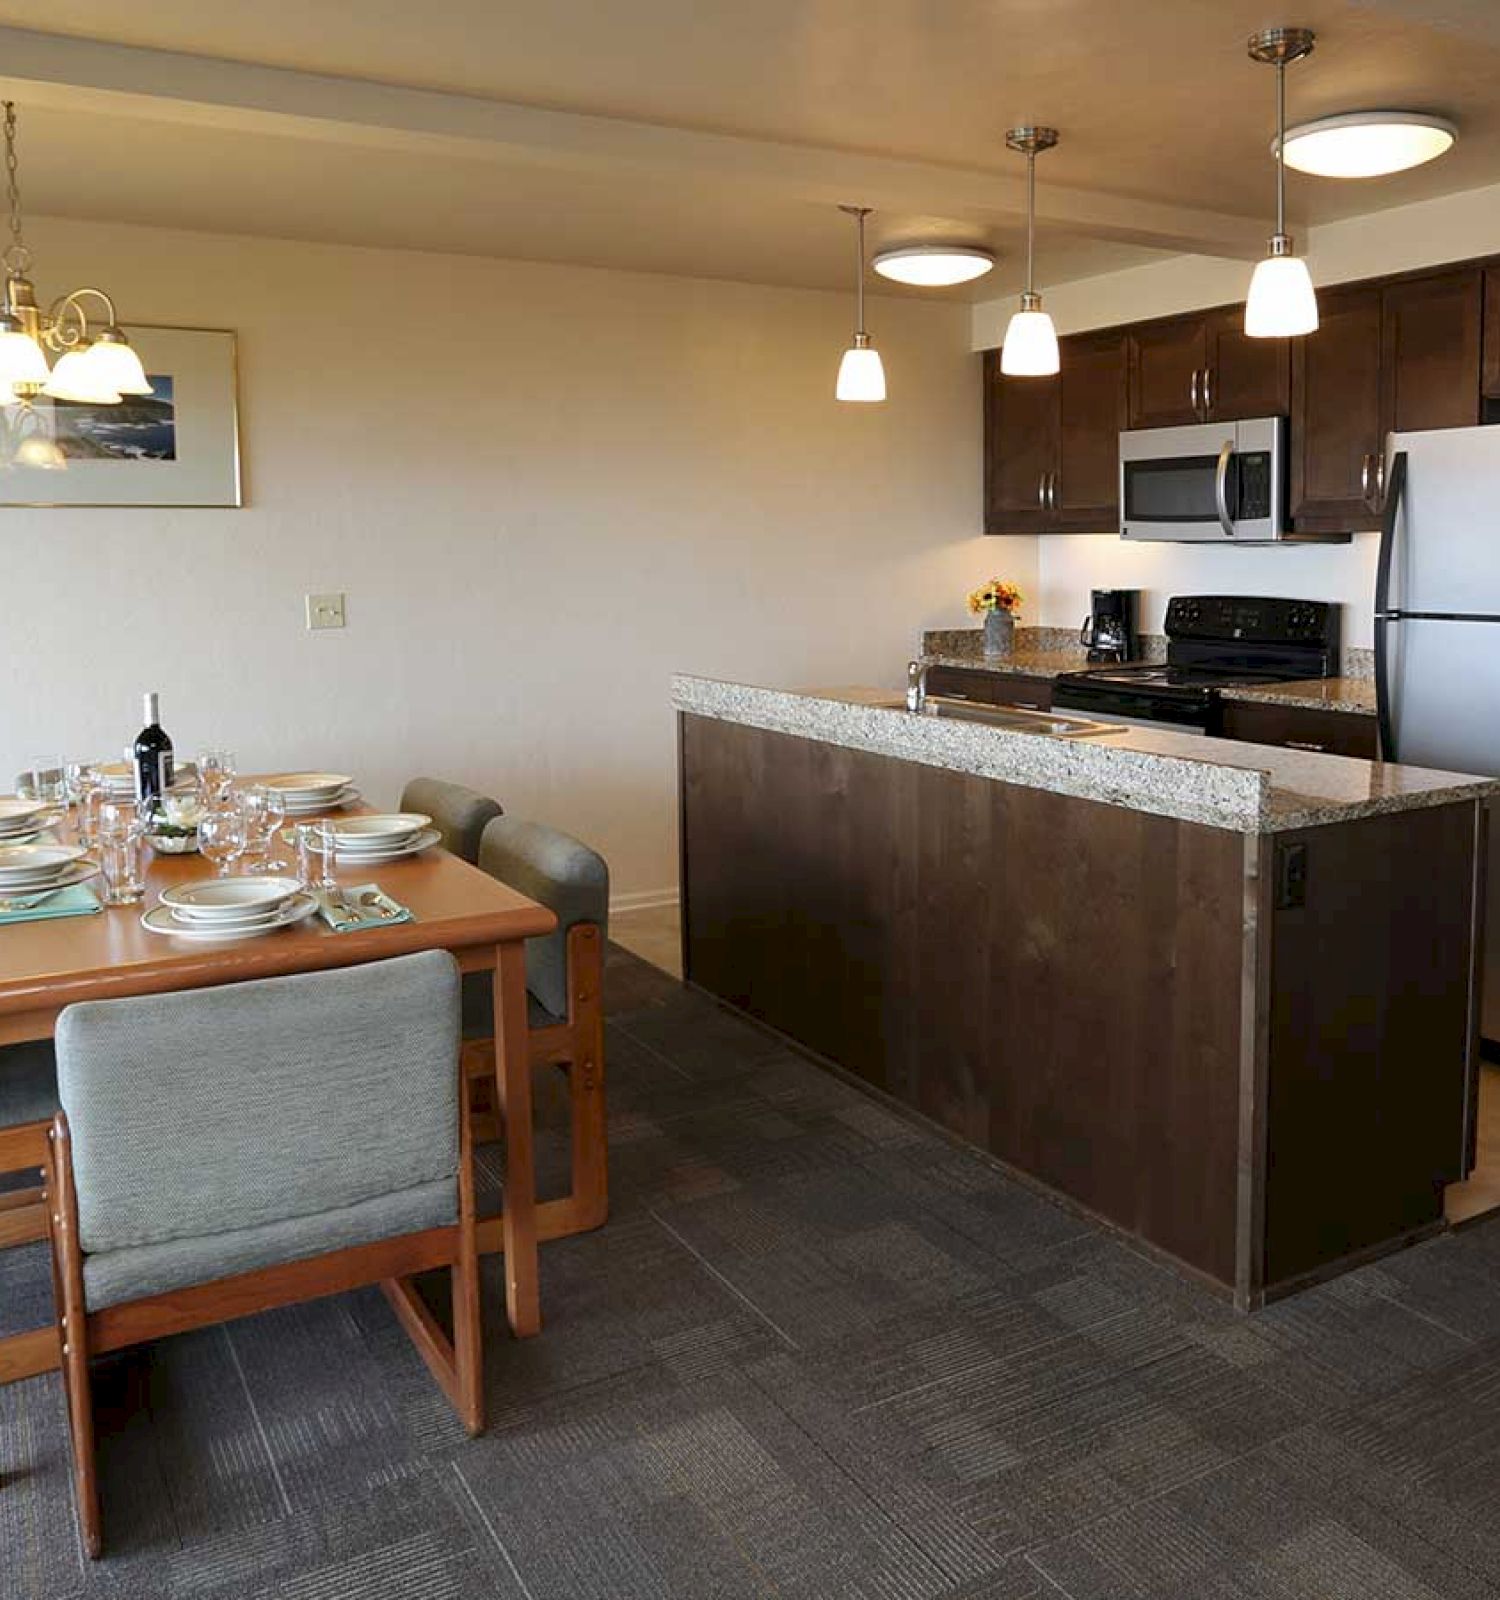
1220,995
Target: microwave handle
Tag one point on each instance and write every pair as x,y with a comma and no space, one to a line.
1221,487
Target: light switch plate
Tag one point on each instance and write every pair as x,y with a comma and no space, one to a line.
325,611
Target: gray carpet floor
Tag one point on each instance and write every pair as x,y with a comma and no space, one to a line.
817,1352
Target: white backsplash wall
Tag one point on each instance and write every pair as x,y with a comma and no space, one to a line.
1069,567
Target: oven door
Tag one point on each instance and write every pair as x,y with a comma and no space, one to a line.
1218,483
1131,708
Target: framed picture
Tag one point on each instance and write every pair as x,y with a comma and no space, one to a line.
177,446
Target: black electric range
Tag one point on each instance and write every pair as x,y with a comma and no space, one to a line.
1214,642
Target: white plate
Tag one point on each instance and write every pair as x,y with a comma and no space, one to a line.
307,785
250,919
159,919
20,813
79,872
19,861
316,808
216,898
390,852
394,828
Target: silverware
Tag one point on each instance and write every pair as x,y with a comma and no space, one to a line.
373,900
27,902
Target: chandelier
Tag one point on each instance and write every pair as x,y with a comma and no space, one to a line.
95,363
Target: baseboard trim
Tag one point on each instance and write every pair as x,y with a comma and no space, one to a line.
642,900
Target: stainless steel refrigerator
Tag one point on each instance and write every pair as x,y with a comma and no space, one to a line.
1437,625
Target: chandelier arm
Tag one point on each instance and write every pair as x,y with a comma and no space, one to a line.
66,324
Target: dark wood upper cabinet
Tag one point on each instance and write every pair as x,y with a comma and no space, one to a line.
1166,369
1336,428
1020,449
1244,377
1092,411
1492,335
1430,351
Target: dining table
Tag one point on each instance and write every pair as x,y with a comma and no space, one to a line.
48,965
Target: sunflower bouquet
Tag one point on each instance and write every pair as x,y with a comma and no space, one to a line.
995,596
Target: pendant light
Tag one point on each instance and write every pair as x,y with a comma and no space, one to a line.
861,376
1281,303
1030,348
1367,144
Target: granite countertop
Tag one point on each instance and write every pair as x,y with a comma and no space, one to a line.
1354,695
1029,663
1247,788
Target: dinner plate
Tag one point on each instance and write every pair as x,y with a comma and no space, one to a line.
390,852
26,860
393,828
19,814
80,872
219,898
250,919
307,785
159,919
315,808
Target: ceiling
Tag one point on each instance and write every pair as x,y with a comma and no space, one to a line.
699,137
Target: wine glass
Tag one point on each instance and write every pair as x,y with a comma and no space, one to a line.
83,780
265,811
216,771
45,782
222,836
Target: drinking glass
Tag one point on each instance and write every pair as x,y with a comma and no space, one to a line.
317,852
222,836
265,811
83,780
120,854
216,771
45,782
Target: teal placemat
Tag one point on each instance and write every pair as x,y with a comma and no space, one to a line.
349,911
77,901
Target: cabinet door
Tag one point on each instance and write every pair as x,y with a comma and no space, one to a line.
1166,359
1246,377
1492,333
1430,351
1336,432
1092,411
1339,733
992,688
1020,449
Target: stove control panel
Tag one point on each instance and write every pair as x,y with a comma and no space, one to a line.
1251,619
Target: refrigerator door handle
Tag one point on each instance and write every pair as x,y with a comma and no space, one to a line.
1383,614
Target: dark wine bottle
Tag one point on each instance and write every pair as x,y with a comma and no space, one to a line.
152,754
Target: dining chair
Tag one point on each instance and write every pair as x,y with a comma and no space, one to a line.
227,1150
459,814
28,1095
565,1000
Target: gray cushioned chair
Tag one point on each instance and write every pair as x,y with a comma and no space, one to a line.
221,1151
565,982
459,814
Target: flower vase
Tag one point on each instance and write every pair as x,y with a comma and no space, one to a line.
999,633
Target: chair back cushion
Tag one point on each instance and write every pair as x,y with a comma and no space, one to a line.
458,813
210,1110
562,874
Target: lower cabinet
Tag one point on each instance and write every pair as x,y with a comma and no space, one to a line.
1335,733
991,688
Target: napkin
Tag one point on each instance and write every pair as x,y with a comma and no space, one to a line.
76,901
347,910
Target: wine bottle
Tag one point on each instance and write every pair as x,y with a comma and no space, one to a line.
152,755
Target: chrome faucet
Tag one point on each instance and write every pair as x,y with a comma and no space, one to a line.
916,686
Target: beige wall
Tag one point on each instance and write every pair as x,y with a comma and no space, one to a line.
1454,228
544,489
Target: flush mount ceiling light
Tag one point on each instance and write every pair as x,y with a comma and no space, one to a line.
934,266
95,362
861,376
1281,303
1030,348
1366,144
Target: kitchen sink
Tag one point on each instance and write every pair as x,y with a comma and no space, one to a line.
1014,720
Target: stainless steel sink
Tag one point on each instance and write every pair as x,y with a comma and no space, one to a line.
1053,723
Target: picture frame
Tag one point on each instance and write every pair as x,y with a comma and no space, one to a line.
178,446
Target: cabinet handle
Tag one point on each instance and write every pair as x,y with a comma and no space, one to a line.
1052,492
1208,392
1304,744
1366,461
1193,405
1379,481
1041,490
1028,705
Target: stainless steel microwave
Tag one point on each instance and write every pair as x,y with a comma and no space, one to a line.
1213,483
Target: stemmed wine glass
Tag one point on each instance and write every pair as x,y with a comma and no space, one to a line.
85,783
216,771
265,811
222,836
45,782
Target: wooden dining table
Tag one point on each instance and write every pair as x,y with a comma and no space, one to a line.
48,965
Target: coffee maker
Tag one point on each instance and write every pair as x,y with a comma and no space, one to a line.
1109,628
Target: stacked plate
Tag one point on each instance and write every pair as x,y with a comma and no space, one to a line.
309,794
21,821
229,908
369,841
41,869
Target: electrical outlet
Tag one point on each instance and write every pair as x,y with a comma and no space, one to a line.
325,611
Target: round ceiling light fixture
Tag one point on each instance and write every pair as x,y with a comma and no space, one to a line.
934,266
1367,144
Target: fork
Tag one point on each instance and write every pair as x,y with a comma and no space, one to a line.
27,902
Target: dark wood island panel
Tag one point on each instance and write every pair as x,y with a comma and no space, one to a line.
1131,1009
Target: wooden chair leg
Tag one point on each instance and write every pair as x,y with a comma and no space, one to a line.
67,1279
586,1077
468,1325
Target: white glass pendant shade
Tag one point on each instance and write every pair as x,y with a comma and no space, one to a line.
1281,304
932,266
1367,144
861,375
115,365
21,361
1030,349
40,453
75,378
